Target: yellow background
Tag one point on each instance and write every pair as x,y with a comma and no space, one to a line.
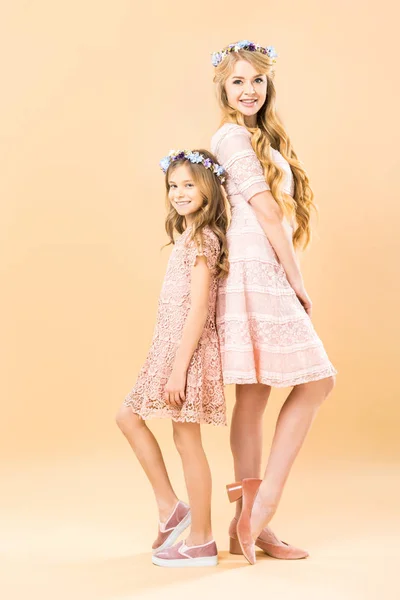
94,93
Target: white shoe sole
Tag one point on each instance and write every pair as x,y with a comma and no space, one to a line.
170,541
202,561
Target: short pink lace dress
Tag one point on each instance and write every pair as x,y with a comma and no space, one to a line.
205,402
265,334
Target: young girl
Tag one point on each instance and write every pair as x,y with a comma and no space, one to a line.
182,377
263,313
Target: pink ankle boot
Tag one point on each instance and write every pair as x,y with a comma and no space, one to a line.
176,524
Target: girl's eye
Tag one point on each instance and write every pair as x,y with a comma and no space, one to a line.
259,80
236,81
189,185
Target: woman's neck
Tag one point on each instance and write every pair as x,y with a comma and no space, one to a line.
251,121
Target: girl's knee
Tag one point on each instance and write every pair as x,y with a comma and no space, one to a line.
178,441
186,436
126,419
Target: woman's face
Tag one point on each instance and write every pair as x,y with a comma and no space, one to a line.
246,90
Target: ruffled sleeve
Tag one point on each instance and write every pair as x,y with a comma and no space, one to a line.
235,152
207,244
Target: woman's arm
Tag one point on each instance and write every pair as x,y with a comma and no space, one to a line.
270,218
237,155
192,330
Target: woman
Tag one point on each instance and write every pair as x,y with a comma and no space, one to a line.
264,312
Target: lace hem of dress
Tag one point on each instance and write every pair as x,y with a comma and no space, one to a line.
147,413
288,380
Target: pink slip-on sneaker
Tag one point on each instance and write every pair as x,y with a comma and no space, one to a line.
181,555
176,524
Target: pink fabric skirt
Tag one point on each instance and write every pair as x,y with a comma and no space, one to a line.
264,332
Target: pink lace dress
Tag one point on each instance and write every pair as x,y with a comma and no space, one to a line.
265,334
205,402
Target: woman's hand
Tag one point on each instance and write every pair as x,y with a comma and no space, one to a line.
304,298
174,392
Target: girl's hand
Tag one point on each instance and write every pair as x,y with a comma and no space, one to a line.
174,392
304,298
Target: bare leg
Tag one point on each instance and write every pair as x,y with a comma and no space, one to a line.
247,431
294,422
197,473
148,452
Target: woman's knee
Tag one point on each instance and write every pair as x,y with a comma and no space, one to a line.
325,387
252,397
329,385
316,392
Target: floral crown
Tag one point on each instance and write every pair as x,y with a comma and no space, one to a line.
195,158
218,57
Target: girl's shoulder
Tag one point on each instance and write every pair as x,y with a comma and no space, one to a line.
208,245
205,237
209,236
226,131
205,243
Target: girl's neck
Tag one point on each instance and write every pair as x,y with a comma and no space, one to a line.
189,221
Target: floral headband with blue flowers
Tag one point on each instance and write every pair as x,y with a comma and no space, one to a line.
218,57
195,158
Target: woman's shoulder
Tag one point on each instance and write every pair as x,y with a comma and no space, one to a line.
226,131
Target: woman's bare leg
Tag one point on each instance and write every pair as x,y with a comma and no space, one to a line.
246,433
294,422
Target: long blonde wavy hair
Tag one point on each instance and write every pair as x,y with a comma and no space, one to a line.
269,132
214,212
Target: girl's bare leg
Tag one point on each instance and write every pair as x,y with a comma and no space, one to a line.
197,474
148,452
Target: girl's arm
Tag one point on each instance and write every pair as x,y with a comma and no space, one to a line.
192,330
270,218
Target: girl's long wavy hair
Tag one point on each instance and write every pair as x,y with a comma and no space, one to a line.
269,132
214,212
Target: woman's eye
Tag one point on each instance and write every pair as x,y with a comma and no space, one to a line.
259,80
189,185
236,81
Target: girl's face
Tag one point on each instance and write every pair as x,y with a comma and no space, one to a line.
184,194
246,90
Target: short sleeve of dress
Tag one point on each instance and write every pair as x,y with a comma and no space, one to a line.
237,156
206,244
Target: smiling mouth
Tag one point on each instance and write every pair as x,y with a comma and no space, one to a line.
249,102
183,203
